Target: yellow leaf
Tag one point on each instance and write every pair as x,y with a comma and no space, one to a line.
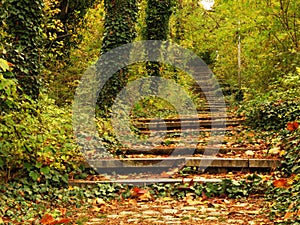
298,70
70,188
100,201
167,199
145,197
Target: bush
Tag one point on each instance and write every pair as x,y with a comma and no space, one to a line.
265,114
36,139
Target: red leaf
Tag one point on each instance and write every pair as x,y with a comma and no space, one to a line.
138,191
49,220
291,126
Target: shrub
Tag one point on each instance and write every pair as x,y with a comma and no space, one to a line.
273,115
36,139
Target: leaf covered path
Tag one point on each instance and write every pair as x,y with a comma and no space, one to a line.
216,211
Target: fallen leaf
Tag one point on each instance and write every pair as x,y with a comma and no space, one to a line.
164,175
145,197
61,221
47,219
288,215
275,150
280,183
167,199
191,183
63,211
139,190
204,197
249,153
291,126
100,201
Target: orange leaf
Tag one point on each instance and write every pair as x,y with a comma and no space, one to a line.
61,221
10,64
288,215
63,211
47,219
251,134
291,126
191,182
280,183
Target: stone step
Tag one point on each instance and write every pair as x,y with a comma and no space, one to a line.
200,117
138,173
187,161
186,124
143,182
167,150
179,132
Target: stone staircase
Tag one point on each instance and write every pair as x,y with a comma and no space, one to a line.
147,164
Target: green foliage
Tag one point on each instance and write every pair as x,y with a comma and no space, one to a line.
8,87
63,22
269,39
157,19
157,28
61,82
253,184
107,136
120,19
36,140
290,141
21,201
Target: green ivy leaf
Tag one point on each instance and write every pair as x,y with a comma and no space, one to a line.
34,175
45,170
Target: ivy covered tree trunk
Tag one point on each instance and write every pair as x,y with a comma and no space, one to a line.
158,13
23,19
119,29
